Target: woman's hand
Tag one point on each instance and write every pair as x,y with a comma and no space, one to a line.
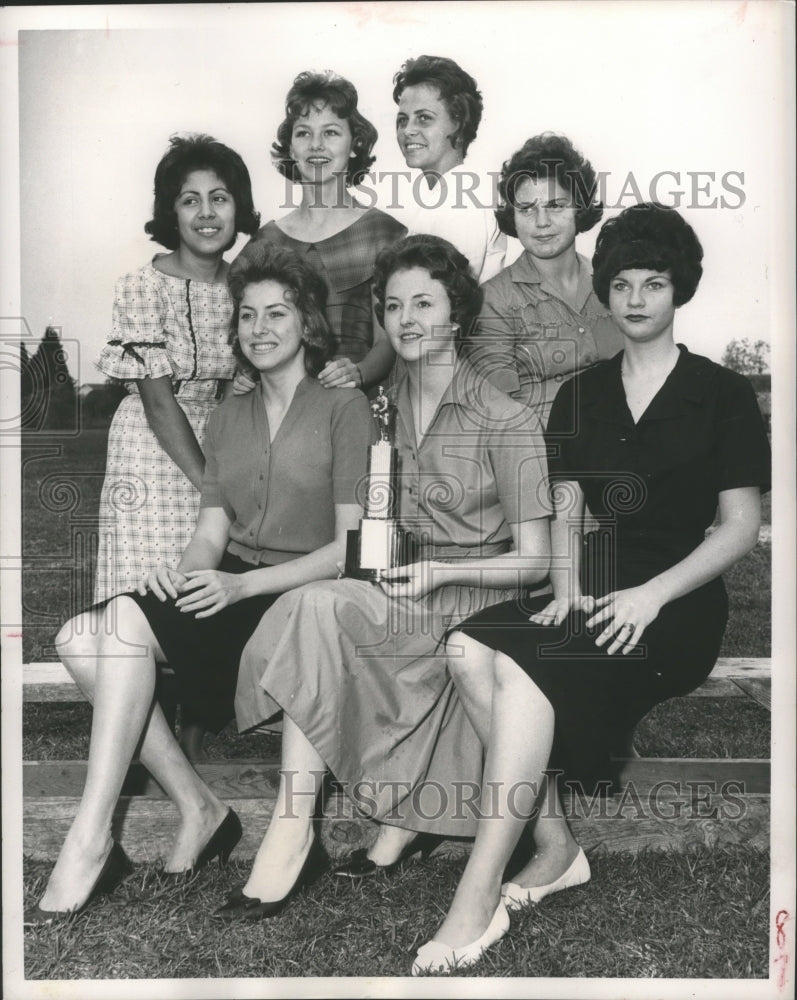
627,613
411,581
163,582
341,374
560,607
207,591
242,384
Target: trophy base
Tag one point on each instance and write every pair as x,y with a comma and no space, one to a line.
377,545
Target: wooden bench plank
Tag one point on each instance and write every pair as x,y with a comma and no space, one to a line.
50,682
757,688
246,779
145,826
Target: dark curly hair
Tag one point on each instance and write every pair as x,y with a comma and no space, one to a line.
263,261
651,237
458,91
185,155
325,90
543,156
445,264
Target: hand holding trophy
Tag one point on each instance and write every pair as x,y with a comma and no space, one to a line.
380,543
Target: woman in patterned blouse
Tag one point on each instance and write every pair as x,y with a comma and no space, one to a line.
169,344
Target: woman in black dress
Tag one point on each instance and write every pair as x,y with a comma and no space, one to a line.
653,441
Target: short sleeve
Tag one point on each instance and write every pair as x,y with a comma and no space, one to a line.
560,430
136,347
212,494
491,346
520,468
353,430
743,455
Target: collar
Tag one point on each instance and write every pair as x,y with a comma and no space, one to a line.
601,388
524,271
465,392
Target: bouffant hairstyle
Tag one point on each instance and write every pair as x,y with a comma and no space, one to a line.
646,237
544,156
262,261
319,90
458,91
185,155
445,264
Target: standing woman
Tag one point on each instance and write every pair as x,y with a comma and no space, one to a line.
655,440
283,464
541,320
439,110
359,668
170,346
325,145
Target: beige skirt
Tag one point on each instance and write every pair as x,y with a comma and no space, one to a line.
364,677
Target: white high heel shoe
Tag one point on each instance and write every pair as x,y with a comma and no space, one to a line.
438,957
515,896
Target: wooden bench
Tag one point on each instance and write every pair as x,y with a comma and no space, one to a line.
663,803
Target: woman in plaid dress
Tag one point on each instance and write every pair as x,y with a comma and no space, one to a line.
169,345
325,145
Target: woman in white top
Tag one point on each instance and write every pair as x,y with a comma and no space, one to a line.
440,108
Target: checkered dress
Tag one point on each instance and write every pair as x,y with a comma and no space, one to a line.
162,325
346,262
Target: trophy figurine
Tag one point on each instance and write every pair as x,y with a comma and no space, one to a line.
380,542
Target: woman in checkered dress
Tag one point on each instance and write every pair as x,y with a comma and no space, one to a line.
325,144
169,344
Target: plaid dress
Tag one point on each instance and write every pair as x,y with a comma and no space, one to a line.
346,263
162,325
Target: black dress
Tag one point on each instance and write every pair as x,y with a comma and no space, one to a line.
653,488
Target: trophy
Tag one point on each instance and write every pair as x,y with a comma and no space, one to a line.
380,542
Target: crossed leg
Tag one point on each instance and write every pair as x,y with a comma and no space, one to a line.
289,836
112,656
515,722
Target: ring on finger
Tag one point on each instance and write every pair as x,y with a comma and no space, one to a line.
624,626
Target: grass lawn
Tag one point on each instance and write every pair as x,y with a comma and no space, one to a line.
659,915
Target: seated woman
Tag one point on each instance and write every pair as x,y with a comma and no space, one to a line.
278,496
439,111
325,145
359,668
655,440
541,320
169,345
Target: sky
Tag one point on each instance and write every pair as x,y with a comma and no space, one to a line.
676,100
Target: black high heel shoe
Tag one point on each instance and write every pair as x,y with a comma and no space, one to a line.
221,845
239,906
359,865
117,866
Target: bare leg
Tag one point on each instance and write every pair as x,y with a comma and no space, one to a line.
192,738
472,668
289,837
519,745
115,667
555,848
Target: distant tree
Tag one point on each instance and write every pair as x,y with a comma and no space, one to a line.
48,388
25,381
99,405
747,357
